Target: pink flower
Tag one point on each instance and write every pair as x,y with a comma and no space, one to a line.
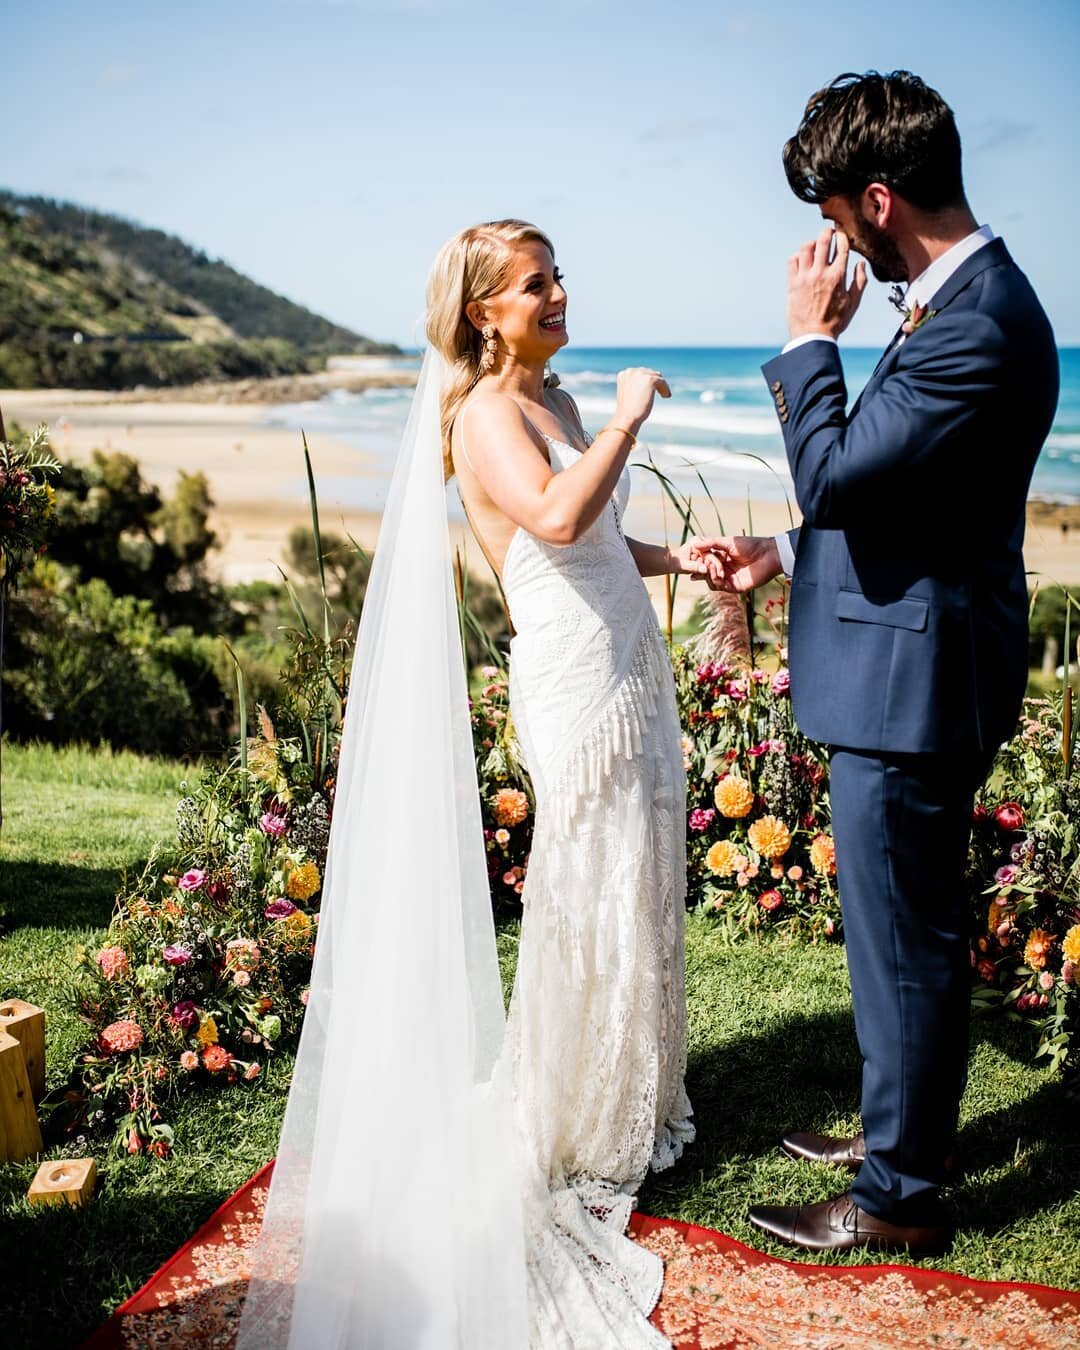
122,1035
252,1071
781,683
770,901
186,1015
830,927
189,1060
1068,972
756,751
279,909
988,971
736,691
176,954
1046,980
509,878
192,880
272,824
113,962
701,818
795,873
759,676
241,978
1006,875
305,994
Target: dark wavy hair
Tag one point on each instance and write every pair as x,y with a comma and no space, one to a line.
892,129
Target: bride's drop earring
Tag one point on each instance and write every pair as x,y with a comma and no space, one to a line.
487,356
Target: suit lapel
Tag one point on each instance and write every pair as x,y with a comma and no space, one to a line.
990,255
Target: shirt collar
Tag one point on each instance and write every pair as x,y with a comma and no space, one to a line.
926,285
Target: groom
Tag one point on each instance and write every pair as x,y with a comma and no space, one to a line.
908,633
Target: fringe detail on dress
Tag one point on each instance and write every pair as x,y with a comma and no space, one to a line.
616,733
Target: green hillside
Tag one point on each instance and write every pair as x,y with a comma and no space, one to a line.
91,300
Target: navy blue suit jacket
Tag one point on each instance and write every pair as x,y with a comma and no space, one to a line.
908,624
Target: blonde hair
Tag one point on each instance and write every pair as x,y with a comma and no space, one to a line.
473,266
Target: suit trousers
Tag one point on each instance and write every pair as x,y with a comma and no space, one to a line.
902,825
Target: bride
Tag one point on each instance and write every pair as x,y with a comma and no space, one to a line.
445,1177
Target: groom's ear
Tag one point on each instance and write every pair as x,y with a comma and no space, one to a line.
877,204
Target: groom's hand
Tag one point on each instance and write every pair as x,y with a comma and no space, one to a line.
748,561
819,297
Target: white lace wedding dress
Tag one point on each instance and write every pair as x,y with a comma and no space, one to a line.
597,1026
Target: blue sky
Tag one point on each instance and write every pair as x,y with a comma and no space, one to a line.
328,147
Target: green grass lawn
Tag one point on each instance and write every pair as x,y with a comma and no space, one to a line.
771,1048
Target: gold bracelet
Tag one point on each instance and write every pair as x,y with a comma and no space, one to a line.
622,430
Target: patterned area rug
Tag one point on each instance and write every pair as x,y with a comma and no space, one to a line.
718,1295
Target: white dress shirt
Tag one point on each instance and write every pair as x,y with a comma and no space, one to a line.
919,292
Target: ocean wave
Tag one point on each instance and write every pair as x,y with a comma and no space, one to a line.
711,419
1063,440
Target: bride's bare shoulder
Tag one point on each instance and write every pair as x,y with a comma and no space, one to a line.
490,419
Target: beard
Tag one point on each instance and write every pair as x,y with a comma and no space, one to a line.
880,251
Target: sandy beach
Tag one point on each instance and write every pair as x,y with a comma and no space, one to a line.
256,475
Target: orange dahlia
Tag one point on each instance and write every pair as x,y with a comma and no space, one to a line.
823,855
216,1057
303,882
509,806
724,859
122,1035
770,837
1038,948
734,797
1070,945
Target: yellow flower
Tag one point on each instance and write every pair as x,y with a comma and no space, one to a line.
734,797
1070,945
50,500
724,858
207,1033
1038,948
823,856
303,882
770,837
297,922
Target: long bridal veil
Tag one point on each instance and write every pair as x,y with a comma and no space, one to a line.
394,1216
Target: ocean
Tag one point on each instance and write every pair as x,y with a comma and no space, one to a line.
720,422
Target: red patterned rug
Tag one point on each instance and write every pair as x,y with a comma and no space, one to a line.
718,1295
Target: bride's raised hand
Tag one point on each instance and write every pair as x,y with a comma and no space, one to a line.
636,388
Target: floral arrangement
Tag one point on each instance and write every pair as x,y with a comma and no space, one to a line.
759,847
1024,879
27,500
204,969
505,791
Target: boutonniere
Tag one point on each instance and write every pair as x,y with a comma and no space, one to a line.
914,315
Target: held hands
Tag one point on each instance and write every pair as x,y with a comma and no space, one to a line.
819,297
636,388
736,562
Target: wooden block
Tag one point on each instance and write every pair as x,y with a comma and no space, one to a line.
67,1182
27,1024
20,1133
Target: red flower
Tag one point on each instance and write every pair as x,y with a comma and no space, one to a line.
1009,817
770,901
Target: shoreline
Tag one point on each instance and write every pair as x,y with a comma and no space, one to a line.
257,481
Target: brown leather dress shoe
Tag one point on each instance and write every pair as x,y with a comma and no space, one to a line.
823,1148
839,1225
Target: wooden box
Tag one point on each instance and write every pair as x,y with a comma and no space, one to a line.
70,1181
20,1133
27,1024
